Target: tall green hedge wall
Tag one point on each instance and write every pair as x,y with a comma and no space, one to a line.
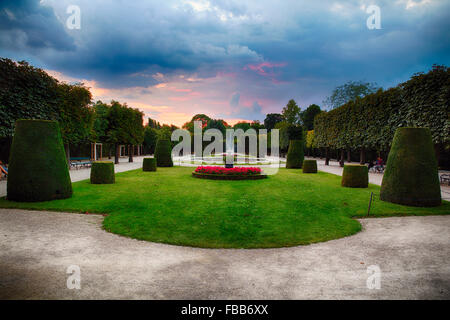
370,122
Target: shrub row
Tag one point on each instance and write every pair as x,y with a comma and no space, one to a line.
370,122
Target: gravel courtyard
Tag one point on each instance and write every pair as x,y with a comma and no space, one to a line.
36,248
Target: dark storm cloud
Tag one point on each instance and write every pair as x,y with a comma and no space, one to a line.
308,47
27,25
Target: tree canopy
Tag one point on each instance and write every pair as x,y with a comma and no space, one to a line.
242,125
371,121
349,91
26,92
125,125
307,116
75,114
272,119
291,112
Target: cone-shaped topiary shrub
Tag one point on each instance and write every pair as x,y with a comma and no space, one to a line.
38,169
149,164
163,153
295,154
102,172
309,166
355,176
411,175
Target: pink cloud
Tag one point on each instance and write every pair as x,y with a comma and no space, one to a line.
177,99
187,97
260,68
180,90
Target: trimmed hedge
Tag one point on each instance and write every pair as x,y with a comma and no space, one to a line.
355,176
309,166
163,153
423,101
411,175
149,164
295,154
38,169
102,172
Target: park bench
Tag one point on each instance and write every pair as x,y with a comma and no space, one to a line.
445,177
78,162
376,169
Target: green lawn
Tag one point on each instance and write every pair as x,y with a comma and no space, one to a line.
171,206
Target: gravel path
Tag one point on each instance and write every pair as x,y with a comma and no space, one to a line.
36,248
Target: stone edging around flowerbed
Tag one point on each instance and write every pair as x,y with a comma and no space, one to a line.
228,177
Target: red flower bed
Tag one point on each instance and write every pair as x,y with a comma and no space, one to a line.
239,171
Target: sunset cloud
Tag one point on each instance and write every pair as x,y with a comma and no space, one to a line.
230,59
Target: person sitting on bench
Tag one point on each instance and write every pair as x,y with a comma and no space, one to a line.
379,166
3,169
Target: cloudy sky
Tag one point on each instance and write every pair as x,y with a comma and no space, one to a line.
236,60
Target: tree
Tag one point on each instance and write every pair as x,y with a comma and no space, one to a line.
291,112
216,124
100,126
310,139
295,132
75,115
271,120
307,116
242,125
370,122
116,131
125,126
136,129
165,132
153,124
426,102
283,134
198,117
26,92
150,138
255,124
349,91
